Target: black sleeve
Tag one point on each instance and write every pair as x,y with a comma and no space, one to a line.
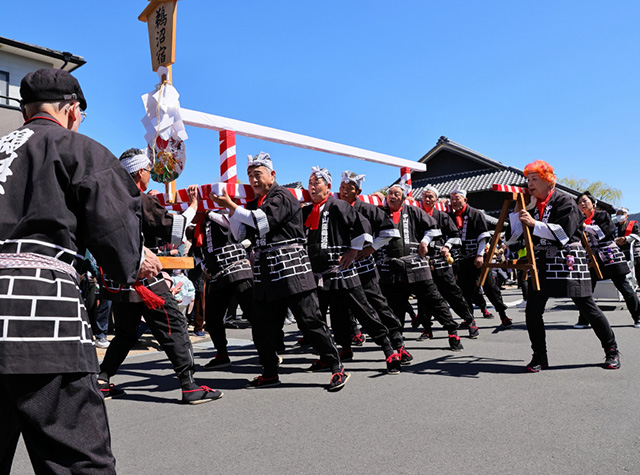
606,225
110,224
157,222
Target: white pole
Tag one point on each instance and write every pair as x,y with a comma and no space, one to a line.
246,129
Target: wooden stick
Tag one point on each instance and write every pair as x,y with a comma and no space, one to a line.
593,263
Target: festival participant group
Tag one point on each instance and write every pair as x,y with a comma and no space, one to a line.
345,269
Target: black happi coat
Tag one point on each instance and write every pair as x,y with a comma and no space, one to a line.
450,236
379,225
158,224
398,261
60,194
282,267
474,230
561,260
220,256
340,227
601,236
629,230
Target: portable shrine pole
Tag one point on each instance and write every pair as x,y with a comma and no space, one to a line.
160,17
514,193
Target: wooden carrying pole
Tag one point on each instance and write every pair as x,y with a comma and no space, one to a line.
514,194
593,263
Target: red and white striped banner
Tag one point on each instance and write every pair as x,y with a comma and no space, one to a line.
509,189
443,206
243,194
228,169
405,176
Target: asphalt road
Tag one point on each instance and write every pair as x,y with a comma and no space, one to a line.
473,412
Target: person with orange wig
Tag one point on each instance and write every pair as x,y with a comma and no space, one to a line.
555,222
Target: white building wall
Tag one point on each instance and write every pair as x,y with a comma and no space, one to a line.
18,67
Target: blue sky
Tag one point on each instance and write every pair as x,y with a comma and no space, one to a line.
515,81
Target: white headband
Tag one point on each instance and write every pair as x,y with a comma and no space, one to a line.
458,190
431,188
404,187
350,177
261,160
321,173
135,163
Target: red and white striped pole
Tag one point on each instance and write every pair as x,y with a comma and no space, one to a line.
405,176
228,170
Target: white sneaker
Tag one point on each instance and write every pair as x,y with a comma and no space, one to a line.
522,304
579,326
102,343
636,324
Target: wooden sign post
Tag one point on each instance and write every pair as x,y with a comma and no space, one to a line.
160,17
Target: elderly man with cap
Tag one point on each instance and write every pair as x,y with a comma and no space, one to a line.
403,267
441,263
60,194
626,234
335,235
382,230
475,235
282,272
151,297
555,223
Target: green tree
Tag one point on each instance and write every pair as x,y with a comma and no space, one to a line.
599,189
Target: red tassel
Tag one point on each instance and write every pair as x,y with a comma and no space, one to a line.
150,299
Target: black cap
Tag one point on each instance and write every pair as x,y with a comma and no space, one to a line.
51,85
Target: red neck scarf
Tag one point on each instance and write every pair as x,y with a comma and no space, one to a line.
428,211
198,233
459,218
589,219
395,215
261,200
314,217
541,205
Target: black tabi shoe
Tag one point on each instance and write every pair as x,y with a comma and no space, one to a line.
200,395
262,382
109,391
338,380
394,364
454,343
612,359
538,362
473,330
405,356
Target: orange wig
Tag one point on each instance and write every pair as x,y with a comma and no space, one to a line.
543,169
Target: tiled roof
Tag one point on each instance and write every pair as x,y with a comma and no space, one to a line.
472,181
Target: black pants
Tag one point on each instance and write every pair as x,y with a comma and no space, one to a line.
449,289
268,320
427,295
379,303
216,304
587,307
623,286
169,328
344,300
468,275
62,419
